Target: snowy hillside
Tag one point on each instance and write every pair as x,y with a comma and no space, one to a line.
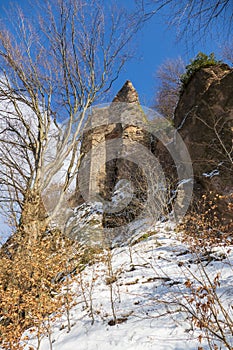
135,297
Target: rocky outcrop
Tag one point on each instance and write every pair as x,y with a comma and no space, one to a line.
204,119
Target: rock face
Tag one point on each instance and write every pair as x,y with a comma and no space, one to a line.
204,119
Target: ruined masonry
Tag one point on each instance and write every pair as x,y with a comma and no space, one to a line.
107,138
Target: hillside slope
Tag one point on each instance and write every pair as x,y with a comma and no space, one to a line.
135,297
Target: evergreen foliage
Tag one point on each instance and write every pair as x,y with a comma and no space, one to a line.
200,61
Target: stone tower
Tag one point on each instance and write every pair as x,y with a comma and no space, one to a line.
108,136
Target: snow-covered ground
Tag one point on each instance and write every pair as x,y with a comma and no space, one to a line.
147,285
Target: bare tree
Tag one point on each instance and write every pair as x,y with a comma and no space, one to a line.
194,17
54,66
227,51
168,76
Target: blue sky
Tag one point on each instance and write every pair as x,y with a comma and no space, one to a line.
155,44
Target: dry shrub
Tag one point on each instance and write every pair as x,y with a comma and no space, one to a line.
208,312
205,303
204,226
31,287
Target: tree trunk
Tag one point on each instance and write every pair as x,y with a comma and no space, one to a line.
33,218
